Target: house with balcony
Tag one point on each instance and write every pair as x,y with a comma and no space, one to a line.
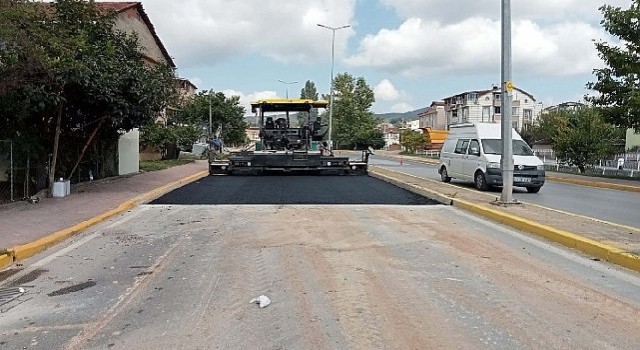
483,106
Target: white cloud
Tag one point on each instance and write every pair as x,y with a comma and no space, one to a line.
421,48
386,91
246,99
551,10
205,32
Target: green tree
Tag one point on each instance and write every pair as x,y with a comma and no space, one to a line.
413,140
311,93
226,113
619,83
582,137
68,78
354,125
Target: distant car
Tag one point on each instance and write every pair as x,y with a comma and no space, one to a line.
472,152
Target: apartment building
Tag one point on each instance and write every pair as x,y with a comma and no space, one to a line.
484,106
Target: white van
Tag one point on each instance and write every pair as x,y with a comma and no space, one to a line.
472,152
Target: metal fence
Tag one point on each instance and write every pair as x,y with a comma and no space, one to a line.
20,176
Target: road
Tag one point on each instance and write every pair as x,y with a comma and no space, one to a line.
350,276
619,207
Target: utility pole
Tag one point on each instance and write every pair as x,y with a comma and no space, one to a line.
505,106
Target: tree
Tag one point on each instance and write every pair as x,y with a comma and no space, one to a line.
619,83
68,78
412,140
308,92
354,125
226,113
582,137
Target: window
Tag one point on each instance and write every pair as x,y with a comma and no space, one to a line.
474,148
514,124
515,110
496,110
465,114
527,116
461,146
494,146
496,97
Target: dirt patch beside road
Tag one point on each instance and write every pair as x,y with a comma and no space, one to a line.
623,237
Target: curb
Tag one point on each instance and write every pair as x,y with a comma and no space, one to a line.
591,247
600,184
27,250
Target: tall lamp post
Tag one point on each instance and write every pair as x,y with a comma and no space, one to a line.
333,41
286,84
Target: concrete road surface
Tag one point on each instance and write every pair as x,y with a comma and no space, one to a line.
360,276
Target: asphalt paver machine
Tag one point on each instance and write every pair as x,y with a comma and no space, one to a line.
291,140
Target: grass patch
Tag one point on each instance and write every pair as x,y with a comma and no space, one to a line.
153,165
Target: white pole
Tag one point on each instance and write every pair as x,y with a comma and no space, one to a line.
507,95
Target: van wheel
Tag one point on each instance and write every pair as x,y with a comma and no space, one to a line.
533,189
480,181
444,176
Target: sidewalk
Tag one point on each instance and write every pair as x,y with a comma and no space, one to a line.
23,222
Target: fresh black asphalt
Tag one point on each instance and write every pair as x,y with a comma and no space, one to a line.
291,190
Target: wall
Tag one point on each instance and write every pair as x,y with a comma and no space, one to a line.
131,22
128,153
632,140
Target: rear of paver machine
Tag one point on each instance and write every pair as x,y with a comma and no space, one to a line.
287,148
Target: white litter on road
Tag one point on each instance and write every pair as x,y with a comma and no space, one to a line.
262,300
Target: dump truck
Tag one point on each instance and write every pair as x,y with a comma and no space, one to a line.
288,145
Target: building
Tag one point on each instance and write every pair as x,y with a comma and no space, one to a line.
565,106
391,136
412,124
484,106
434,117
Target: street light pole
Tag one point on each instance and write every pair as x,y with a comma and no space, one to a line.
210,119
286,84
333,41
507,95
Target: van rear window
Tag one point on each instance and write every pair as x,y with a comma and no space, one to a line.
461,146
494,146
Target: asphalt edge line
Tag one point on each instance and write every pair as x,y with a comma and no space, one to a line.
27,250
413,188
571,240
599,184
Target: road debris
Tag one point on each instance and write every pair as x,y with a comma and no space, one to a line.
262,300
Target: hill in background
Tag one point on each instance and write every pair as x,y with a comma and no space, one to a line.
397,117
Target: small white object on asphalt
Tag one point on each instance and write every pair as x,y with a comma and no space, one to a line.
21,290
262,300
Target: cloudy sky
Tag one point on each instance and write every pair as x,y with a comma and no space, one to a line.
411,52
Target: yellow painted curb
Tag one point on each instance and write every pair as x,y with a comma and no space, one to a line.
601,184
5,260
594,248
24,251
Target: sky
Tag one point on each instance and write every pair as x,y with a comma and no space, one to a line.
410,52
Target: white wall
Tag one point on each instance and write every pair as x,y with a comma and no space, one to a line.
129,153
